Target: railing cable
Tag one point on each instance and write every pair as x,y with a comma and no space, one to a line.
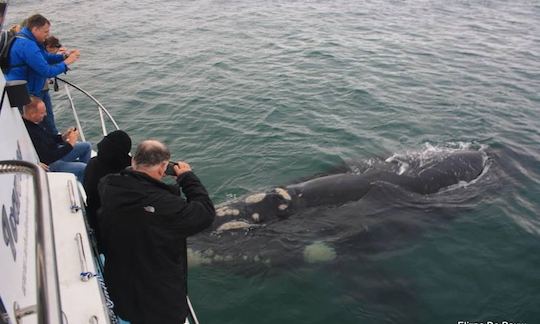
101,108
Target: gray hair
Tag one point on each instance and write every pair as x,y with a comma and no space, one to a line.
151,153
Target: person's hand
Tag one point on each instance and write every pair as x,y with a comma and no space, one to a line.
73,56
67,132
181,167
71,136
44,166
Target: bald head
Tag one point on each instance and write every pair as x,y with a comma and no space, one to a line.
151,153
35,111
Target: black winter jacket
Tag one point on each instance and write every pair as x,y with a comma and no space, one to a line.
49,147
144,224
112,157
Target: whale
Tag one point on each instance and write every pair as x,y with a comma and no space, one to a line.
415,175
350,223
355,210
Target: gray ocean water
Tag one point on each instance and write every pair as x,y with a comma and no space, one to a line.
256,94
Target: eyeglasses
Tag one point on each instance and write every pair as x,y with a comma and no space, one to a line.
57,46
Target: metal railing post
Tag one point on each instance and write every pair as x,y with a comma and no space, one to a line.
100,106
75,114
48,307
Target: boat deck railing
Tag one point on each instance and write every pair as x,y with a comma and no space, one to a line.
48,308
102,111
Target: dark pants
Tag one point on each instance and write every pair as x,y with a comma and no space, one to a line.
48,122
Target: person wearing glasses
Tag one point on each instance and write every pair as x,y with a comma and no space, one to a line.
52,46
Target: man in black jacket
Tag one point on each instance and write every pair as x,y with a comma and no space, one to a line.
61,153
144,224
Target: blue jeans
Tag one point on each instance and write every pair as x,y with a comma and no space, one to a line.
48,122
75,161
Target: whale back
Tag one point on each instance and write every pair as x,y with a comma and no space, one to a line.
463,166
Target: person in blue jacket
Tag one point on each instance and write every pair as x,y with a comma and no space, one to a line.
28,60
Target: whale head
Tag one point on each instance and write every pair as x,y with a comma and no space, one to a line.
254,209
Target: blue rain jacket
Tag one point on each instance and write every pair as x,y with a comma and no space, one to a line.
30,61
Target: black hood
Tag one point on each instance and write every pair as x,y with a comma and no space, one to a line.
114,149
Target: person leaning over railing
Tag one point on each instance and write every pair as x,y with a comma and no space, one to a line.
144,223
52,46
61,153
28,60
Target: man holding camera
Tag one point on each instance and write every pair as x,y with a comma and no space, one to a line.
57,153
144,224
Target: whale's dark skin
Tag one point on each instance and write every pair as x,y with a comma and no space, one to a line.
338,189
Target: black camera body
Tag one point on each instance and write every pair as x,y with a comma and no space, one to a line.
170,169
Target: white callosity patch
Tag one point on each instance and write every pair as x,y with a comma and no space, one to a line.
319,252
196,258
206,257
283,193
402,168
227,211
282,207
255,198
233,225
256,217
222,258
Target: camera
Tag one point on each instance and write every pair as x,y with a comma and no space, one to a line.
170,169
